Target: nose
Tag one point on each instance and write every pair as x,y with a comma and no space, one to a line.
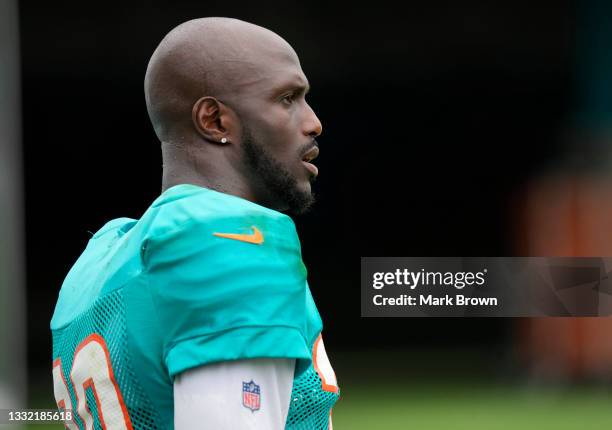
312,125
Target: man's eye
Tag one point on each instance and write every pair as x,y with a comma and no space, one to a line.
288,99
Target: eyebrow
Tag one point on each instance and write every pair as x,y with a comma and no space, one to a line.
302,88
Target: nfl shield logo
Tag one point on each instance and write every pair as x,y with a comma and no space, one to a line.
251,395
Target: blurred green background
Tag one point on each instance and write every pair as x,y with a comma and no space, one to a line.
437,390
469,406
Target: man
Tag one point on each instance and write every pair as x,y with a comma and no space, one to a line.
199,315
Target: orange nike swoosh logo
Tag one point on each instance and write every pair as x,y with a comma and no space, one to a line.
256,237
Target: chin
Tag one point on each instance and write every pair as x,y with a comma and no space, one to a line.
303,200
306,187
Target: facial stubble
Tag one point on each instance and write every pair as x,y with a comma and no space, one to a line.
276,178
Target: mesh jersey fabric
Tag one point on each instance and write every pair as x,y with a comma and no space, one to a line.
165,294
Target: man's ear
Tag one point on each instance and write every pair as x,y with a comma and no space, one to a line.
212,119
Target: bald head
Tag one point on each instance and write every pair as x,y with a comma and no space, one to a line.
219,57
227,99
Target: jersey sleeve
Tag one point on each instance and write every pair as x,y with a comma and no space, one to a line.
220,299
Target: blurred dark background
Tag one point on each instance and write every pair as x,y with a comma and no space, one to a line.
438,120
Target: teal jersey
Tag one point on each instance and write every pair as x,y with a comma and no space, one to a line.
202,277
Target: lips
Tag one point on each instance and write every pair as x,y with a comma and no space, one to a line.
308,157
311,154
311,167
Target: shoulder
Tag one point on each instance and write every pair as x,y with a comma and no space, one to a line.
81,287
185,207
218,294
187,218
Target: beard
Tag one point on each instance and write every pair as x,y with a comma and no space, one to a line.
276,178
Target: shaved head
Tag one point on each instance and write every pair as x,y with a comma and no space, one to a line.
218,57
227,100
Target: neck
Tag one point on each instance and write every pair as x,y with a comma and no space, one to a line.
185,166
